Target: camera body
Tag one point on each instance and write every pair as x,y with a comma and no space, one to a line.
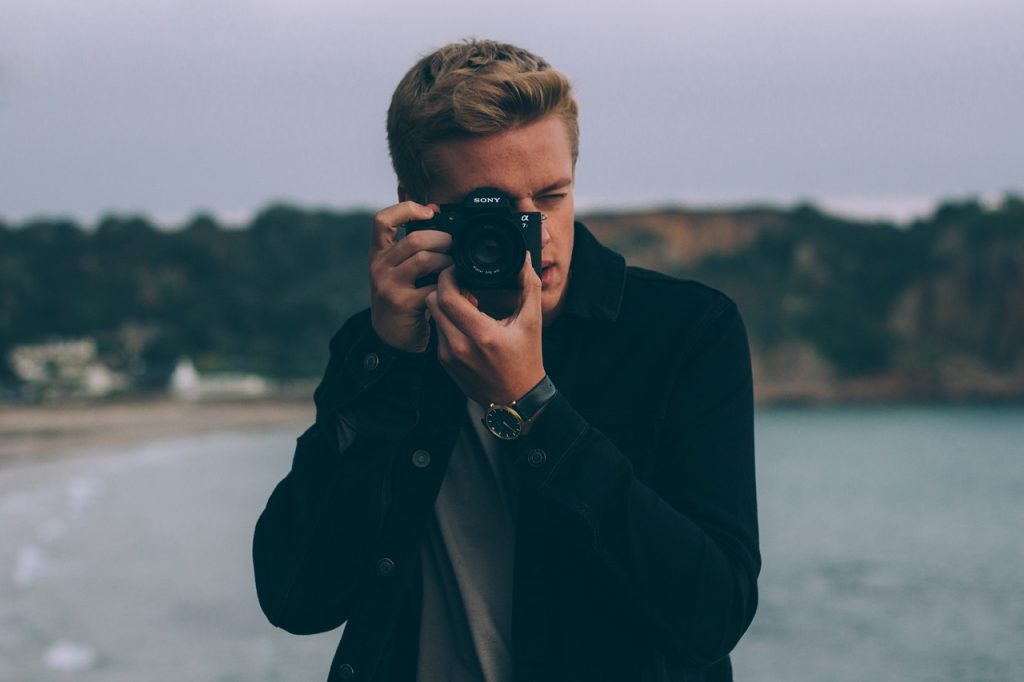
489,239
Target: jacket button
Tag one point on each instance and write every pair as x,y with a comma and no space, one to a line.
385,567
421,458
347,672
536,458
371,362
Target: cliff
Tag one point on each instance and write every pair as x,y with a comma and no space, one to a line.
842,311
837,310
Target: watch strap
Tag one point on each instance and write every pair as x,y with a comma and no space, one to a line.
537,397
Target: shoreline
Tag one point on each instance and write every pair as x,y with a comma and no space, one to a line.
43,432
37,433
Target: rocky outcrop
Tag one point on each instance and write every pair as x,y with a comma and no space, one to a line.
841,311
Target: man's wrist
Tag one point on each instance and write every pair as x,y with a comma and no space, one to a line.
512,421
534,400
533,420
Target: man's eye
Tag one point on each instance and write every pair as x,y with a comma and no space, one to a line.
552,197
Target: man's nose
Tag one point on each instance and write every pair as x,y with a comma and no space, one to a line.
525,205
545,233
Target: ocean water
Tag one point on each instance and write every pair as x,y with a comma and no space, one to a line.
892,538
892,543
135,566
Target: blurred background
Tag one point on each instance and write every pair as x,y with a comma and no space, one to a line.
185,197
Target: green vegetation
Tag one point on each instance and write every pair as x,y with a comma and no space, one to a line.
267,297
870,297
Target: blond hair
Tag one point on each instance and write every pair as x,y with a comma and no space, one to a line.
468,89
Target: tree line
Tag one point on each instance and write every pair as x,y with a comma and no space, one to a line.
266,297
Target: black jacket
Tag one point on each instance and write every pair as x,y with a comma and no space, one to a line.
637,549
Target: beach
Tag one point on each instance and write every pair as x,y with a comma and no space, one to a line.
889,538
32,433
125,539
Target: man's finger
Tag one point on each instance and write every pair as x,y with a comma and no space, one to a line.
386,222
420,295
446,329
530,288
420,264
455,305
411,244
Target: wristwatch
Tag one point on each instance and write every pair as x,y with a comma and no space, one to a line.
507,421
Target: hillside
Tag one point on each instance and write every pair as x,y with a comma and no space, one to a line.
847,311
837,310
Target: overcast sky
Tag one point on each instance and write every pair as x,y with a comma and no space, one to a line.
169,107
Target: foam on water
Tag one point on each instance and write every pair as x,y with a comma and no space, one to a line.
32,565
889,554
80,492
70,657
65,507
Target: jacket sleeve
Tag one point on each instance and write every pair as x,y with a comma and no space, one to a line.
684,547
311,544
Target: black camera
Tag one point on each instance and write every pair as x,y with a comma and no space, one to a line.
489,239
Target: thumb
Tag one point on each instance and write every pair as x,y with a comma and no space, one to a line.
529,289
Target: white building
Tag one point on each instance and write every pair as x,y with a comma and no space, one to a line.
188,384
65,368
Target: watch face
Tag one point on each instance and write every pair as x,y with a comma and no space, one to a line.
503,422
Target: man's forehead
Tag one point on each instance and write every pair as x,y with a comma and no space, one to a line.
522,161
534,189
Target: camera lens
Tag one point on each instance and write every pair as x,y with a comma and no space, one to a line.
487,251
491,252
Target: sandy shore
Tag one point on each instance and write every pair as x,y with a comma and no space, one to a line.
34,433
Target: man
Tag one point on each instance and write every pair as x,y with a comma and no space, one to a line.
555,483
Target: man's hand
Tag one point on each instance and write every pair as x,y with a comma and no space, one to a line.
490,360
397,307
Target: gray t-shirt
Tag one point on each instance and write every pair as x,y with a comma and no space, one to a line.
468,555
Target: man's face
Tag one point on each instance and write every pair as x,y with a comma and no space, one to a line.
533,165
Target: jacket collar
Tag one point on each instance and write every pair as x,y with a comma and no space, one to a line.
597,277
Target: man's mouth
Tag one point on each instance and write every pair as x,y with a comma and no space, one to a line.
546,272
